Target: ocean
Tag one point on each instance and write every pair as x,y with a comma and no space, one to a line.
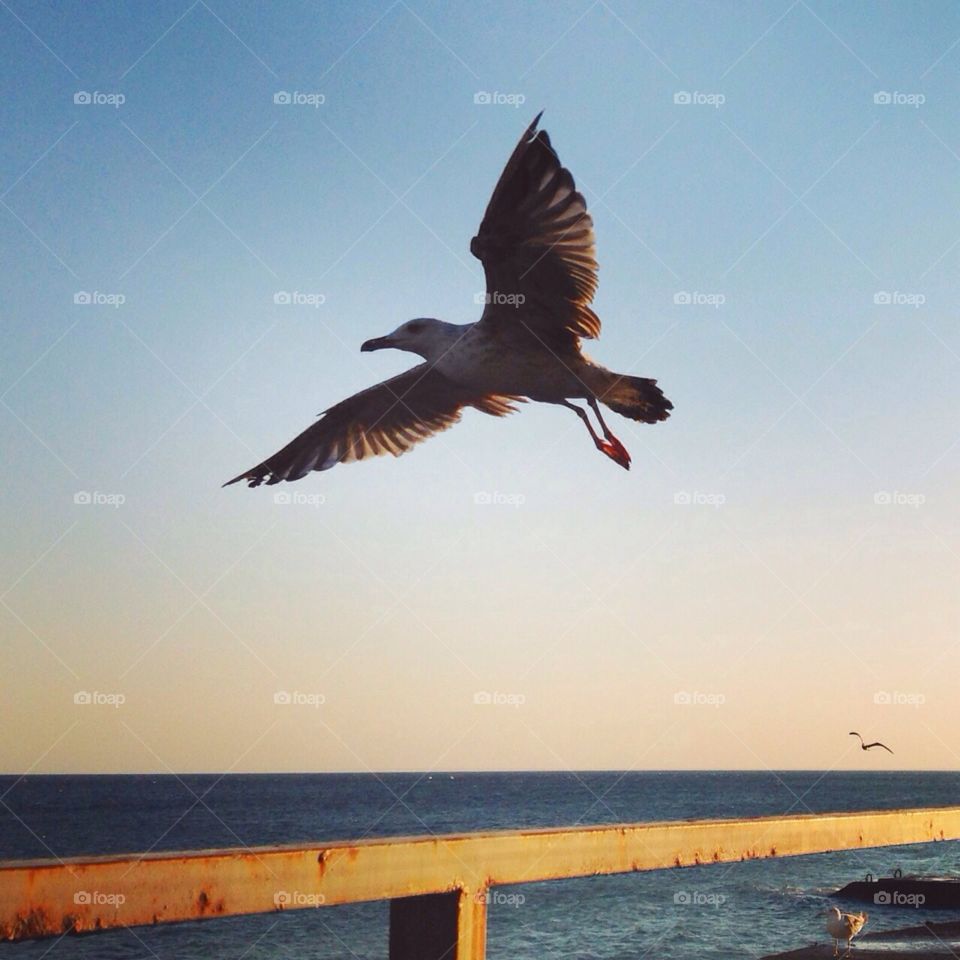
729,911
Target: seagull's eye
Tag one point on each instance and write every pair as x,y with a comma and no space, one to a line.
416,327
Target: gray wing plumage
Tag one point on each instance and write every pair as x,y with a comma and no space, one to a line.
536,244
390,417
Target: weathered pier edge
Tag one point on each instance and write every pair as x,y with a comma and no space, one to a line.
438,886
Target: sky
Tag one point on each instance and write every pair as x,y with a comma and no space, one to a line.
206,206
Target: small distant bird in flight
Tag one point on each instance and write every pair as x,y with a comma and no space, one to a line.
536,245
844,926
869,746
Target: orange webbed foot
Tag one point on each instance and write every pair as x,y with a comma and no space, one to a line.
616,451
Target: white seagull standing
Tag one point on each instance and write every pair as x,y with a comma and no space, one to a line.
536,245
844,926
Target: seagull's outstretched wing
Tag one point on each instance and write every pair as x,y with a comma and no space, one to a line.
390,417
537,247
867,746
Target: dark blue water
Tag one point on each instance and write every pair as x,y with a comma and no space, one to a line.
726,910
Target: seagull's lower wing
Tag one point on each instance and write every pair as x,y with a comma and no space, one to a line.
879,744
390,417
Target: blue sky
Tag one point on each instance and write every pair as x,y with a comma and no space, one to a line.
786,544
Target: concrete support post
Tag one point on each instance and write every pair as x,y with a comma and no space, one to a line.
439,926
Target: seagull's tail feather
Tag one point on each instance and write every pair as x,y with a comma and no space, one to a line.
636,398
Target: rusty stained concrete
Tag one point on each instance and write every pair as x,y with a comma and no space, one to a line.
40,898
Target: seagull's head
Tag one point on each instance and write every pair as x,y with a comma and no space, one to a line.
425,336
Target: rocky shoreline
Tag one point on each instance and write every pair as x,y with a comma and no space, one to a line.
927,941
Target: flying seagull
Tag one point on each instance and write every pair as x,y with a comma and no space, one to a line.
869,746
536,245
844,926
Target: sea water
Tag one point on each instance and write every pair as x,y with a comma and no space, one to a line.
734,910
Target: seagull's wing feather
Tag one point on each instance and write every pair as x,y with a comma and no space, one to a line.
390,417
854,923
877,743
537,247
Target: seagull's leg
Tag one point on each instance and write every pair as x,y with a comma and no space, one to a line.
614,452
608,433
582,414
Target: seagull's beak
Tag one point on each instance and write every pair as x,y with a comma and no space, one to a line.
377,343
